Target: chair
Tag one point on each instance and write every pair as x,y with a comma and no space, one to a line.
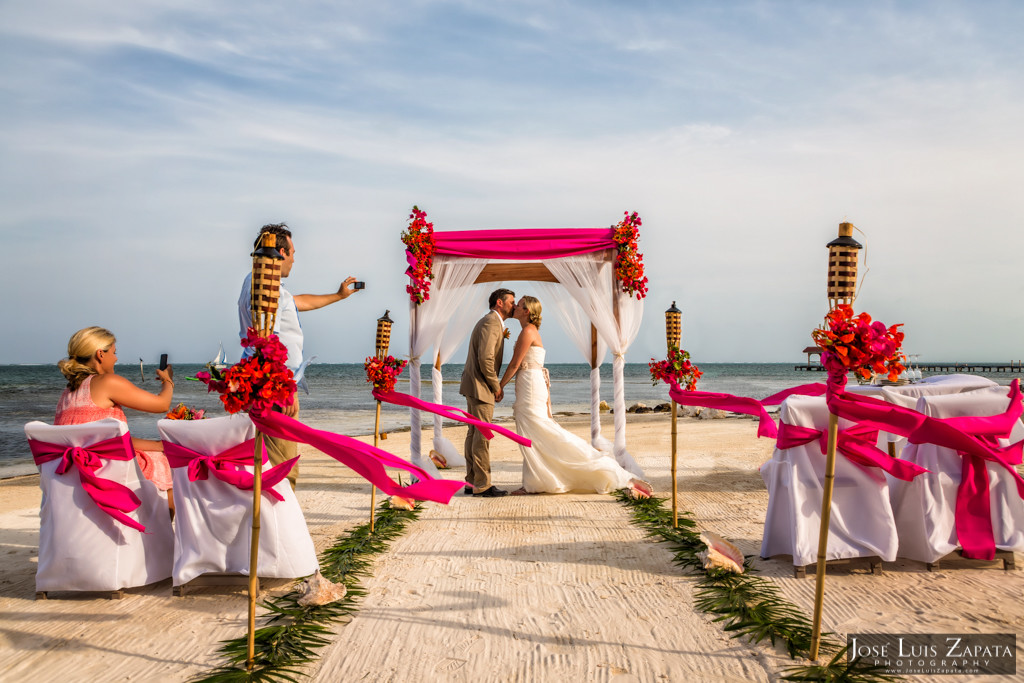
213,516
861,523
925,509
86,547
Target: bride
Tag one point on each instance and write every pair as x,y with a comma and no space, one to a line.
558,461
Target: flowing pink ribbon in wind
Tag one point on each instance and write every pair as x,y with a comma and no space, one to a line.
743,404
487,429
115,499
365,460
227,466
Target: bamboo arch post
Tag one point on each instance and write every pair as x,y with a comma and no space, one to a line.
265,292
826,513
381,349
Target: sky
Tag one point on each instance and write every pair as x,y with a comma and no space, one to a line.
143,144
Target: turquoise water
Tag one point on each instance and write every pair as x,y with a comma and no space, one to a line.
340,400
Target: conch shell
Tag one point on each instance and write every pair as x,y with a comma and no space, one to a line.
721,554
402,503
316,590
639,489
439,460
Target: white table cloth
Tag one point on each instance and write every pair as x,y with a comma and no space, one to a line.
81,547
213,523
862,523
925,508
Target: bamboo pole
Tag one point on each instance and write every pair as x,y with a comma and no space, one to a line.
675,481
826,510
257,481
373,489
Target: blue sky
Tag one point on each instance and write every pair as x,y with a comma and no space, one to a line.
142,145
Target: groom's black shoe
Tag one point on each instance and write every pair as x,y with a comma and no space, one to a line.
468,491
493,492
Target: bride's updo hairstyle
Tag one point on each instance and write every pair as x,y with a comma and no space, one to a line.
82,346
533,307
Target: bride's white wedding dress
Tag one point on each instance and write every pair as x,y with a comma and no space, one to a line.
558,461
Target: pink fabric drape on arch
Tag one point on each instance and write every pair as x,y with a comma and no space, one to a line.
521,244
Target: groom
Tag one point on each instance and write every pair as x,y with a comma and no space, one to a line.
482,389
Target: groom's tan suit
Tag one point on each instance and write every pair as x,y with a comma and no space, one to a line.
479,385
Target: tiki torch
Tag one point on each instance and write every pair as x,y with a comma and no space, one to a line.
383,341
673,337
266,290
841,289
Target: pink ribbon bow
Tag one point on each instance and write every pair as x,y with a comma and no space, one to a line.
115,499
227,466
857,444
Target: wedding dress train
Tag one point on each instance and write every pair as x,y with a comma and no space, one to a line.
558,461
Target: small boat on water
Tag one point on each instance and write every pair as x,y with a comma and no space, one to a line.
220,361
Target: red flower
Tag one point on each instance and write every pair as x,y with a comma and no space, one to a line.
257,383
856,343
383,372
418,238
629,263
676,368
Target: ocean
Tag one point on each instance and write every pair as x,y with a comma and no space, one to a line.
339,397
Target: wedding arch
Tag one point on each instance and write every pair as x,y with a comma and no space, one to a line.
595,283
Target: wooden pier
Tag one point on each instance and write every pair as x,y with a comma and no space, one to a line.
1013,366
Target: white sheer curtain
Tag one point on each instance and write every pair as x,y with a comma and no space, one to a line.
578,326
472,306
589,279
452,285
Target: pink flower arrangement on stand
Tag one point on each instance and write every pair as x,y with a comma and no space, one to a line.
256,383
851,342
383,372
676,369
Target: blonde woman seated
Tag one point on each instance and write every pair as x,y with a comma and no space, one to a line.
95,392
558,461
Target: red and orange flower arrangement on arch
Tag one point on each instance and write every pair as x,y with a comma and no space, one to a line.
677,369
418,238
629,262
383,372
854,343
256,383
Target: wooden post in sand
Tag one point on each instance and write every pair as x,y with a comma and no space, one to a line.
673,337
383,341
266,290
841,288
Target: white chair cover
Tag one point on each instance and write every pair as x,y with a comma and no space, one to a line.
925,508
81,547
213,518
861,524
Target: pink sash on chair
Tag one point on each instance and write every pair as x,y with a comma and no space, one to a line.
227,466
113,498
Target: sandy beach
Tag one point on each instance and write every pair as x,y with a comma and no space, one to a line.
525,588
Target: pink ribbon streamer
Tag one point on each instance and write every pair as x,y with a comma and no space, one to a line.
971,437
365,460
735,404
856,444
115,499
487,429
227,466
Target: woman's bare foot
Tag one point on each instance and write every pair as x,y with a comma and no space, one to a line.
520,492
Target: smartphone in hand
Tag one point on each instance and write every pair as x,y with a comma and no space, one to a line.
359,285
163,361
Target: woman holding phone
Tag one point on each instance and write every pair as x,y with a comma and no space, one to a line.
95,392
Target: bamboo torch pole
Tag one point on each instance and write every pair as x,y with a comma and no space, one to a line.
673,336
266,289
383,341
841,288
826,513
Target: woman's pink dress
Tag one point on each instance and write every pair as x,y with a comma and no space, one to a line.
77,407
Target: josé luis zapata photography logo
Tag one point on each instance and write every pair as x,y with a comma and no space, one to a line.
910,654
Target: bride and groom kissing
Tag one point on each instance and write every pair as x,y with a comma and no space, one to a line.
558,461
